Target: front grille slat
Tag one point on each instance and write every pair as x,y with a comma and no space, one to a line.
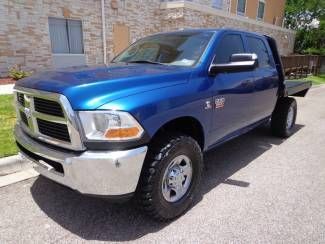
24,118
48,107
21,99
55,130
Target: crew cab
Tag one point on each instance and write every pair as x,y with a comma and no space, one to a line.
138,127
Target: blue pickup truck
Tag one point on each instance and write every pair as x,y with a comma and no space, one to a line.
138,127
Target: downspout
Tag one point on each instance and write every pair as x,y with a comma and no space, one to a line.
104,30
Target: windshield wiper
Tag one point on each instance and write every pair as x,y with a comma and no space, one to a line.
144,62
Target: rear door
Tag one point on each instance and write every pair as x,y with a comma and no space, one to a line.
266,78
232,91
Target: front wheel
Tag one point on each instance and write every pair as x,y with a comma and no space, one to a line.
170,177
284,117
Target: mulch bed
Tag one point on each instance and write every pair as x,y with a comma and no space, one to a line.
5,81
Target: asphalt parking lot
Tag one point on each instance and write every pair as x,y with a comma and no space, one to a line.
256,188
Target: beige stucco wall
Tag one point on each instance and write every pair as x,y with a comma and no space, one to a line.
251,9
274,10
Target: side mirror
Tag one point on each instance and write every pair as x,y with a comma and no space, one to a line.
238,62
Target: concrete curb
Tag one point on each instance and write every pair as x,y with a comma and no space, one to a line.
13,164
17,177
7,89
317,86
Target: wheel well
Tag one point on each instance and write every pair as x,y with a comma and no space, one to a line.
187,125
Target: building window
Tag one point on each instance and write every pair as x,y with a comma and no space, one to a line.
217,4
260,10
66,36
241,7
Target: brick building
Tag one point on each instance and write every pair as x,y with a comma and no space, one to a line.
46,34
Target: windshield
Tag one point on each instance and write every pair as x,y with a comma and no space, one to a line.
183,49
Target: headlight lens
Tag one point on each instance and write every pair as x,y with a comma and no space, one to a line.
110,125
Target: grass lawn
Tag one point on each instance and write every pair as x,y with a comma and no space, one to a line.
317,80
7,122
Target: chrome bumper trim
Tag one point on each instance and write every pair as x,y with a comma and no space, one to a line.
106,173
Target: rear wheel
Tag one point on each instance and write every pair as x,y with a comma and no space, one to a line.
170,177
284,117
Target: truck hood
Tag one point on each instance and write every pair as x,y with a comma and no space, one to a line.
88,87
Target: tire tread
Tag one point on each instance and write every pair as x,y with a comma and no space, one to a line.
279,117
156,154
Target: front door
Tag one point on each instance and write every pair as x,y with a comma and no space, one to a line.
232,92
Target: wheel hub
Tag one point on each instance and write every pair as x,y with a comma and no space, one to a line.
290,117
177,178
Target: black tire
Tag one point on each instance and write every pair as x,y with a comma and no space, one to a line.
280,117
149,193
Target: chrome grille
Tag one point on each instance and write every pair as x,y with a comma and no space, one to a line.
48,117
55,130
48,107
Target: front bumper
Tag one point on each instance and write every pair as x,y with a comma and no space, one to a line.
103,173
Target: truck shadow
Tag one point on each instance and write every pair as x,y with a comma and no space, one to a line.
96,219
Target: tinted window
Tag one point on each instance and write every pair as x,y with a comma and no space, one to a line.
230,44
260,11
241,6
256,45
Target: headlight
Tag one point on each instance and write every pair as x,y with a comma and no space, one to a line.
110,125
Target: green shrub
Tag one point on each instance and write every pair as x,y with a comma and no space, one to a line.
314,51
16,73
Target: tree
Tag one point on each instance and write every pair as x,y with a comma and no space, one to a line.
308,19
299,14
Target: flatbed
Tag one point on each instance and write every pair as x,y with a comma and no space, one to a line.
296,88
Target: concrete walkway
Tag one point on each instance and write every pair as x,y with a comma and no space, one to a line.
6,89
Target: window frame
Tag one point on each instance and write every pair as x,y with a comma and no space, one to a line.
245,10
68,36
258,8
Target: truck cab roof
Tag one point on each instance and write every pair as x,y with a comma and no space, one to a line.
215,30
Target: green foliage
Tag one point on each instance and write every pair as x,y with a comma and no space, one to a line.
16,73
317,80
311,41
301,16
314,51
